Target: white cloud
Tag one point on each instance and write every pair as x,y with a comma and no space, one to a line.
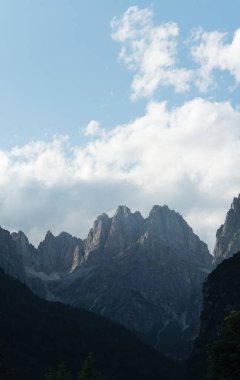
186,157
212,51
92,129
40,161
150,51
153,53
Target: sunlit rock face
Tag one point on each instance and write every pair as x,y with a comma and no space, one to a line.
228,235
146,274
112,235
10,260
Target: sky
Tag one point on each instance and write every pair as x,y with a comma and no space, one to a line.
115,102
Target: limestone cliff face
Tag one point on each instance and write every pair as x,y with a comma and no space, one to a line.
10,260
228,235
60,254
98,235
126,228
112,235
170,227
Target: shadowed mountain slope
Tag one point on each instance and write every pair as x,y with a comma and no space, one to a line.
221,296
38,335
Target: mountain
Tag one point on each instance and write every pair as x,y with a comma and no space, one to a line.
228,235
144,273
37,335
221,296
25,250
59,254
10,260
110,236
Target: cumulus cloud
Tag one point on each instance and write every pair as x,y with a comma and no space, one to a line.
92,129
186,157
213,52
153,53
150,51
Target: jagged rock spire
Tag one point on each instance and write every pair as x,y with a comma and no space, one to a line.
228,235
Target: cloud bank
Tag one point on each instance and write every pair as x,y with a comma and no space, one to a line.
186,157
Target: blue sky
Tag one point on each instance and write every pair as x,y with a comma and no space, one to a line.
59,67
84,128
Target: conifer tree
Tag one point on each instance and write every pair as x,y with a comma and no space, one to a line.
88,371
224,353
60,374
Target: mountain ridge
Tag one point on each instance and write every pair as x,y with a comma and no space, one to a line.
144,273
112,234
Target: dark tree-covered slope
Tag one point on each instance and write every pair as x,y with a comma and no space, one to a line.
224,352
221,296
36,335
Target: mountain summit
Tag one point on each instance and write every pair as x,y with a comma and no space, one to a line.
10,260
144,273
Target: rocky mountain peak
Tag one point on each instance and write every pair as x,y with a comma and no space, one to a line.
21,239
123,210
25,250
49,235
10,260
228,235
164,214
58,254
162,222
169,227
236,204
156,210
126,227
98,235
123,215
102,217
111,235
